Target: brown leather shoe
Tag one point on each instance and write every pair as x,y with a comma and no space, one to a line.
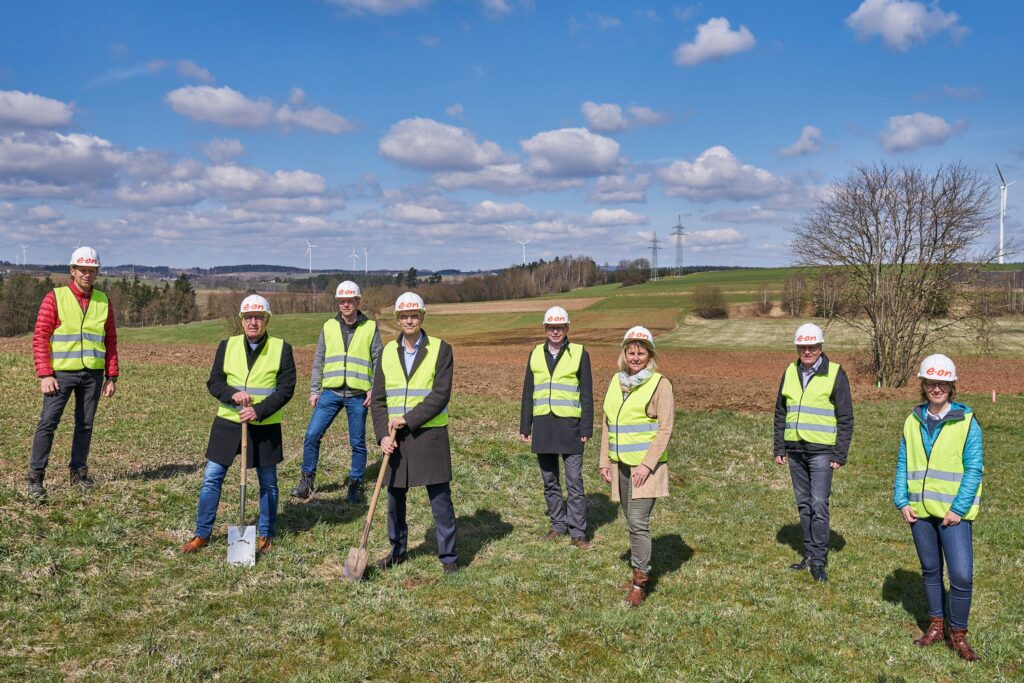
958,643
933,634
582,544
195,545
638,592
264,544
552,535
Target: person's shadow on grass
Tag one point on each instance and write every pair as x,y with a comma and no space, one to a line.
474,533
903,587
600,511
167,470
793,536
668,553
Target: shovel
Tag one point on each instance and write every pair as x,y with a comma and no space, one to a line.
355,565
241,538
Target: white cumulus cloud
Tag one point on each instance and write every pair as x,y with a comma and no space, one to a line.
909,132
27,110
223,149
425,143
715,40
616,189
901,23
488,211
416,213
53,158
318,119
809,143
380,6
712,240
508,178
610,118
189,69
175,193
228,107
610,217
571,152
717,174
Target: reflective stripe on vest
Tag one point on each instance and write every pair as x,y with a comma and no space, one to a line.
933,482
404,395
78,342
810,415
351,366
630,430
259,382
560,393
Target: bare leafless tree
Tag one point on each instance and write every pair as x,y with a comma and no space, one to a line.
904,239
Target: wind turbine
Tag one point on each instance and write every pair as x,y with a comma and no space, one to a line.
524,249
309,253
366,261
354,256
1002,208
24,252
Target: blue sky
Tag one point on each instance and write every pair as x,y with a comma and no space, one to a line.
437,133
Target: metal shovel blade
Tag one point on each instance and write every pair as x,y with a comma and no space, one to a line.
355,565
242,545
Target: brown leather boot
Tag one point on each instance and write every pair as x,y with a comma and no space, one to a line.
639,589
264,544
195,544
932,634
958,643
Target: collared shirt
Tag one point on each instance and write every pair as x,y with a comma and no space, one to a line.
807,373
410,356
929,415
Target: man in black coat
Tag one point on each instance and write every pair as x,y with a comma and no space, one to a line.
557,419
412,385
253,377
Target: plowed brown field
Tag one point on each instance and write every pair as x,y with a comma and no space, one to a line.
714,380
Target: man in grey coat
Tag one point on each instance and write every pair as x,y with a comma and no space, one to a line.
557,419
412,385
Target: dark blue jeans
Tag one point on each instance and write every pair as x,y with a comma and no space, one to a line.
812,485
86,386
952,546
209,498
327,408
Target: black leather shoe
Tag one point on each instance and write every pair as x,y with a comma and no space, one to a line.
390,561
449,567
818,572
801,565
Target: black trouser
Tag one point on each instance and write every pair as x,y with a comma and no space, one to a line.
86,386
565,516
441,507
812,485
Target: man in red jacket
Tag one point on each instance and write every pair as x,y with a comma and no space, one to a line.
75,346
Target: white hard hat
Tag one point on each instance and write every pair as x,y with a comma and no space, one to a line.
348,290
254,303
808,334
410,301
938,367
85,256
638,333
556,315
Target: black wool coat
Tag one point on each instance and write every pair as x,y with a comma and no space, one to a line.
424,455
552,434
265,443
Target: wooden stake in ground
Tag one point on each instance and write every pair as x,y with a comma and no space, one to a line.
355,565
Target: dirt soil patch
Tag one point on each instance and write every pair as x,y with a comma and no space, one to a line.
708,380
511,306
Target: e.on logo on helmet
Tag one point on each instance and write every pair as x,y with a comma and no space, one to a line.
556,318
637,335
86,261
807,338
938,372
346,293
408,304
252,307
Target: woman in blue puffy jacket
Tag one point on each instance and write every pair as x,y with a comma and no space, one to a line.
938,492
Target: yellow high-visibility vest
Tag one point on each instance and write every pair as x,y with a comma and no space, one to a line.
78,342
932,483
259,382
405,394
557,393
810,415
630,430
349,366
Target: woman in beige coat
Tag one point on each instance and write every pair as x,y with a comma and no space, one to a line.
638,415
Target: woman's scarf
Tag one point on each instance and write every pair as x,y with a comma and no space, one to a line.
630,382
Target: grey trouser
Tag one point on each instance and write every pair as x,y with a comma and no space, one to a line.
812,485
565,516
86,386
638,520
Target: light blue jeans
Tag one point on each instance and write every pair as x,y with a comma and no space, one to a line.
209,498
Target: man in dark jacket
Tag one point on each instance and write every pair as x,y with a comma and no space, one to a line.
253,377
813,429
557,419
412,385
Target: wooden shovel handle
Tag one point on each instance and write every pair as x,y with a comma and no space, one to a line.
376,493
245,450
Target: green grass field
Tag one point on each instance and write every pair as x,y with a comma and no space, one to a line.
92,586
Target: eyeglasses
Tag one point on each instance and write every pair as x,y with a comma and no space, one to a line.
250,318
929,386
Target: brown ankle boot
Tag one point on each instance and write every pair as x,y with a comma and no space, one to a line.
639,589
932,634
958,643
